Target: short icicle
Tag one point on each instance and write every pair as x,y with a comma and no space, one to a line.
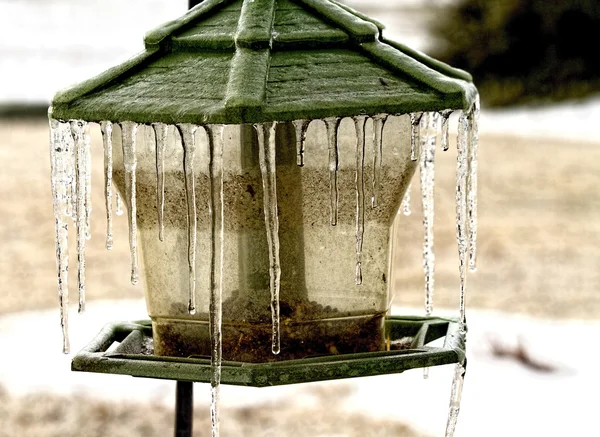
333,124
415,122
215,138
473,135
106,129
359,123
129,133
405,206
445,116
61,159
461,210
455,398
79,134
160,133
266,148
188,140
300,126
378,125
428,142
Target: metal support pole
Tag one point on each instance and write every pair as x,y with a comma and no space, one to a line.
184,409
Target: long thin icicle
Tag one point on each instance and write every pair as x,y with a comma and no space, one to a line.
188,139
415,122
160,133
61,151
378,125
445,116
106,129
472,183
359,123
455,397
266,148
129,133
78,131
301,126
405,206
461,210
428,142
88,184
333,125
215,138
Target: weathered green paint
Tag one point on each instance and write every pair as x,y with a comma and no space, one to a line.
131,358
242,62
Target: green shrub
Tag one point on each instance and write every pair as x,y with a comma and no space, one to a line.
523,50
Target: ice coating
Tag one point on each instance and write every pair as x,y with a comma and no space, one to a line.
405,206
106,129
300,126
61,160
129,132
266,148
118,204
428,141
333,125
188,140
455,397
160,134
215,139
415,122
359,123
378,125
472,183
81,144
445,116
461,209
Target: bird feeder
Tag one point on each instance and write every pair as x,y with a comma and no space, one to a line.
263,149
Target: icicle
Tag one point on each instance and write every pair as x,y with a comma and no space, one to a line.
215,138
188,139
445,115
266,148
88,182
301,126
61,151
333,125
106,129
455,398
472,183
160,134
378,124
129,132
428,142
119,204
461,210
359,123
415,122
78,132
405,207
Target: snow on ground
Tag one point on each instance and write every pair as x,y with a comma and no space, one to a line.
501,396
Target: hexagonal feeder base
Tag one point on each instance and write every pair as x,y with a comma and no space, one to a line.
133,355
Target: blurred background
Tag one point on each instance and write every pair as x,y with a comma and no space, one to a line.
533,305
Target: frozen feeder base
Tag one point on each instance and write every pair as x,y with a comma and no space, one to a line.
126,348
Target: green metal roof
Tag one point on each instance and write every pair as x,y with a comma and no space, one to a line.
236,61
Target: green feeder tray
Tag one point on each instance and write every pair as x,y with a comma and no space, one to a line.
134,356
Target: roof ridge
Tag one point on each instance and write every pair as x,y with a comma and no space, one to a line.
359,29
157,35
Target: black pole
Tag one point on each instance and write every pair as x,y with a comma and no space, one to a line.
193,3
184,409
